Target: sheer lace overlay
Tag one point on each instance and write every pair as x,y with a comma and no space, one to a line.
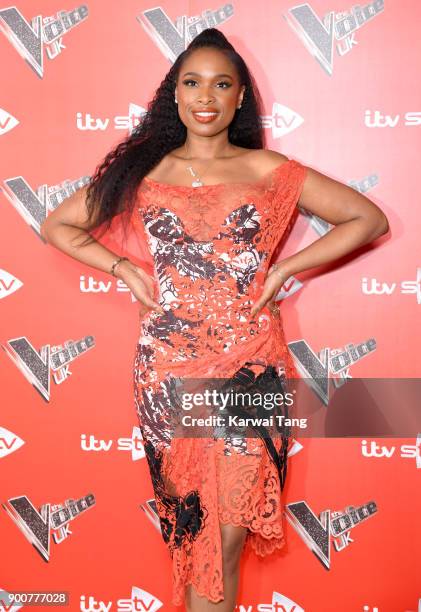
211,247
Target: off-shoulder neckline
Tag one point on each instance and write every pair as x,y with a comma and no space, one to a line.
265,176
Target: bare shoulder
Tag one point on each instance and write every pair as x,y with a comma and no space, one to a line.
266,160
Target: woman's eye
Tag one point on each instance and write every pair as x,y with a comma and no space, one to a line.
225,83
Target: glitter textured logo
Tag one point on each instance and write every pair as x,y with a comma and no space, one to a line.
36,525
32,205
29,38
36,366
317,532
319,35
316,367
173,37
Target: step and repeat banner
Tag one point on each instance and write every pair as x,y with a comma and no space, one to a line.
342,95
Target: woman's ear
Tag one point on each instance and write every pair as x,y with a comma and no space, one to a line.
240,100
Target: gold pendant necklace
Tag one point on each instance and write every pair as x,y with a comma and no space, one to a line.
197,182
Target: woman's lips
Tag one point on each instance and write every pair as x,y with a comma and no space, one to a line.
205,116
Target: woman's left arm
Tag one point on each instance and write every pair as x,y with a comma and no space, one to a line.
357,221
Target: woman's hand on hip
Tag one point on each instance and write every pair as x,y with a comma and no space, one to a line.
274,281
141,284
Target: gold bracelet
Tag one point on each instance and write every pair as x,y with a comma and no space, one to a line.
115,262
275,269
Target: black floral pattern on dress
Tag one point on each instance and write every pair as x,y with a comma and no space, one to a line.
188,512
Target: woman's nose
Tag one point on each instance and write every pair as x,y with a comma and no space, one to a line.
205,96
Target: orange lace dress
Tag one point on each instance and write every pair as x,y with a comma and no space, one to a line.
211,248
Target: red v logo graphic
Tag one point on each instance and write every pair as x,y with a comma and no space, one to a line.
286,287
3,124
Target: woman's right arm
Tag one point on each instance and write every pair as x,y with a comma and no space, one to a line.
66,227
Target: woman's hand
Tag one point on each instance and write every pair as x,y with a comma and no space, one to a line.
274,281
141,284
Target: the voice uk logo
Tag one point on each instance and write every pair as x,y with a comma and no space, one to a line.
173,37
34,205
29,38
319,532
320,35
50,520
36,366
316,367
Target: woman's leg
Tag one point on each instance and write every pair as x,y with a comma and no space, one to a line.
233,539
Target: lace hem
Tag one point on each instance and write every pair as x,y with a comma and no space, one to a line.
271,543
244,490
179,592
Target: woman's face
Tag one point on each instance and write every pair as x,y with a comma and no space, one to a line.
208,82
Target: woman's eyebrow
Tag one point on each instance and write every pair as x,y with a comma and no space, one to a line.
222,74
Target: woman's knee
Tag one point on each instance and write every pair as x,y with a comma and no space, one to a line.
233,539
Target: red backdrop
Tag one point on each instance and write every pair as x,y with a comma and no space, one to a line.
341,95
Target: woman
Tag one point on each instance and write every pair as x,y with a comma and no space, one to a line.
211,203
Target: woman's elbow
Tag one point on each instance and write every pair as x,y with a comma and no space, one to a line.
377,225
383,225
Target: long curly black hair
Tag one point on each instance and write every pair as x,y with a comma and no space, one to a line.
112,189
